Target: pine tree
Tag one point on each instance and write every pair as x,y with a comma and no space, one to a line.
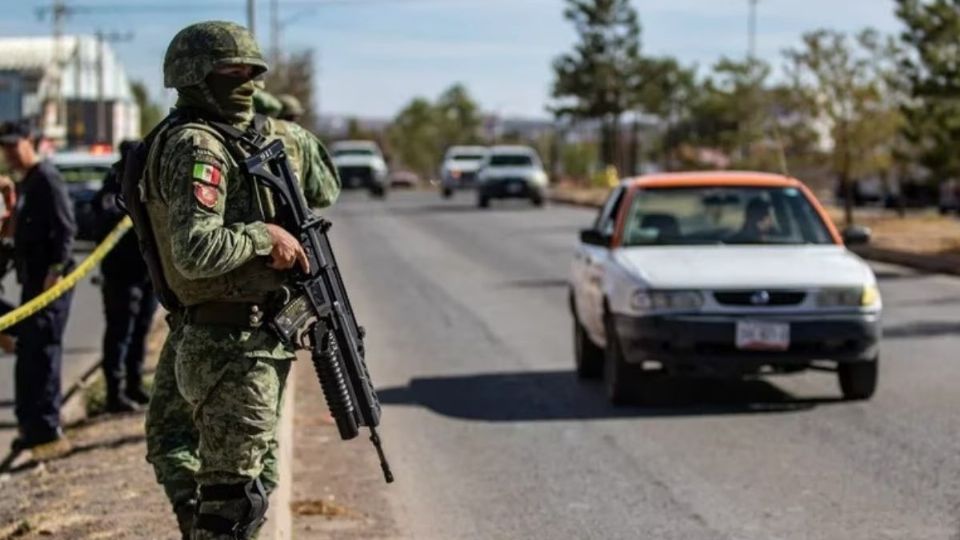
932,70
593,81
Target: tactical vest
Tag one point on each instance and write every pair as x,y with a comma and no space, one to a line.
247,202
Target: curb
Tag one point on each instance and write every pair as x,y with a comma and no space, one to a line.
279,524
933,264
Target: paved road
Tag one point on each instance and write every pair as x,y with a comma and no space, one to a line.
492,437
82,346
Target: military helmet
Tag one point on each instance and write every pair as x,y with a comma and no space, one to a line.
202,47
291,105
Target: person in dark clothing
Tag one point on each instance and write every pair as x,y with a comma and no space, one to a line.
129,302
44,228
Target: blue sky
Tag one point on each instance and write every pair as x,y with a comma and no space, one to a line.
375,55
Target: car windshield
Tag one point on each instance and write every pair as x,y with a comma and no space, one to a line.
353,152
724,215
467,157
510,160
83,173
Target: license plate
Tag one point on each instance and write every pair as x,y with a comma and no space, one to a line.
763,336
514,188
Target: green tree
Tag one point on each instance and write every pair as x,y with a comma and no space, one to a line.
594,80
931,68
150,112
665,89
459,116
414,137
422,131
848,83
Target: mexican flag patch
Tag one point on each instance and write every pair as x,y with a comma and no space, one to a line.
206,173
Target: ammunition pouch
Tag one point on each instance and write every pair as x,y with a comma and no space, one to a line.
250,499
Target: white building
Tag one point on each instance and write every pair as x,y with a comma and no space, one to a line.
74,89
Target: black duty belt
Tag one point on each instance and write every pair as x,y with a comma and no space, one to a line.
236,314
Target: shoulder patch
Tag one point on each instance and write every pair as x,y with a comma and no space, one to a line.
206,195
206,172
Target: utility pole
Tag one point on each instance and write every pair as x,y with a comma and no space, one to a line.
274,33
102,38
252,16
752,30
58,12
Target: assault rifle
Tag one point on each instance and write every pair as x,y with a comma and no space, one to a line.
317,314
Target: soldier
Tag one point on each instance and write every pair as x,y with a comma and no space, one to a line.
292,109
211,425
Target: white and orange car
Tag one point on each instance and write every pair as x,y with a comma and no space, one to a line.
721,273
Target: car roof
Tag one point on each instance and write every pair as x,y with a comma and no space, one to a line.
82,159
713,179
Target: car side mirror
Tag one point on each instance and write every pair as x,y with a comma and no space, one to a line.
857,235
594,237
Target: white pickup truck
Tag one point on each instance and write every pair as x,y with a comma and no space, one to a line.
361,165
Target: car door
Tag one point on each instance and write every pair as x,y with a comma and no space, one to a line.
589,262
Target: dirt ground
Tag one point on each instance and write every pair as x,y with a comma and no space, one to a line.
103,489
337,489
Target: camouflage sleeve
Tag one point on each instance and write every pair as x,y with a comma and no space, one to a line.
321,184
195,186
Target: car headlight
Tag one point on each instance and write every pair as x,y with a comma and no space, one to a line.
645,301
849,297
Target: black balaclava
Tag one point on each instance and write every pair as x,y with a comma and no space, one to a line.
226,97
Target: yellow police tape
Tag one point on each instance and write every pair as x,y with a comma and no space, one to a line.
68,282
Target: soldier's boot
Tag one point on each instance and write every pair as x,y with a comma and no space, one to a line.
134,392
230,511
117,402
186,514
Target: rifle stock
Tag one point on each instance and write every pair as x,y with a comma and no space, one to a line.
319,316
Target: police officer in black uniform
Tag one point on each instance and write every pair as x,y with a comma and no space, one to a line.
44,228
129,302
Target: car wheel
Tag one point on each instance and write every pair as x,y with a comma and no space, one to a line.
483,201
447,193
537,200
588,356
858,381
616,377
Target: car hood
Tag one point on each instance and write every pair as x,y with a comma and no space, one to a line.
359,161
748,267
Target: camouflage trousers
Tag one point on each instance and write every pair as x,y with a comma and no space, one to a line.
213,415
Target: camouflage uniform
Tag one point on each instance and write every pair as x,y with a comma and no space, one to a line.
291,109
213,418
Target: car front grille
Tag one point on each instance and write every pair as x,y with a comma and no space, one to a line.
760,298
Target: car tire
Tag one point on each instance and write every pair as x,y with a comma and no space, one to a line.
447,193
858,380
589,358
616,376
537,200
483,201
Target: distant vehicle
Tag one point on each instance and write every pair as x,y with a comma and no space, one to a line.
361,165
404,179
84,172
723,274
511,172
460,167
